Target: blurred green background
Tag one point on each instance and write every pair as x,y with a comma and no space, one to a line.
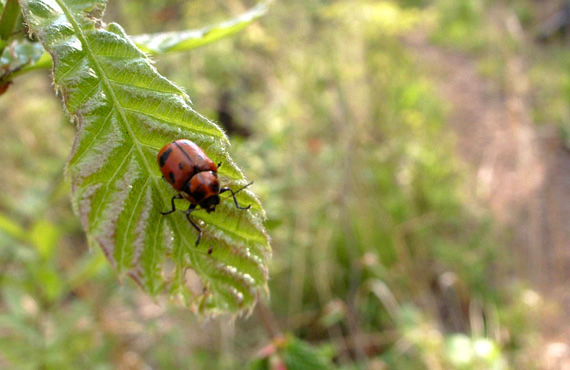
367,127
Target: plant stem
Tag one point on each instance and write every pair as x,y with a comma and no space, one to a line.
8,20
268,320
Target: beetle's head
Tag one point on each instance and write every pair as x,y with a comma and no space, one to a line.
203,188
210,203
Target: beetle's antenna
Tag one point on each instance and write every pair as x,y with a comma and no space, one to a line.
243,187
223,190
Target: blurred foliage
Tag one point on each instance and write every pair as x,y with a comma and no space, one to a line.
462,24
380,261
550,79
292,354
493,32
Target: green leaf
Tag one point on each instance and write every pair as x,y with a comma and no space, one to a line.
299,355
125,112
259,364
292,354
22,53
160,43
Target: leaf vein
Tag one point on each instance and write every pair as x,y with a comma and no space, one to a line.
128,229
108,183
76,159
194,128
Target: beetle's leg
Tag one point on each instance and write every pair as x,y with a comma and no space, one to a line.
219,164
177,196
190,209
223,190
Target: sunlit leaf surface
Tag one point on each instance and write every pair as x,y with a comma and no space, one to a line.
125,112
159,43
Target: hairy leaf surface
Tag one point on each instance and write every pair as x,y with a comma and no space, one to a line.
125,112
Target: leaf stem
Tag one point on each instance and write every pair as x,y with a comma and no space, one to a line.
8,19
268,320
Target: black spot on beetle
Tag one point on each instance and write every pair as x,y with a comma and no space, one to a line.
198,194
180,165
164,157
172,178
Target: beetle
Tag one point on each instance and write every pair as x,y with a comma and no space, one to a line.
195,176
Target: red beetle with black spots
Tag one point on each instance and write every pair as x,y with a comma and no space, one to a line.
195,176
